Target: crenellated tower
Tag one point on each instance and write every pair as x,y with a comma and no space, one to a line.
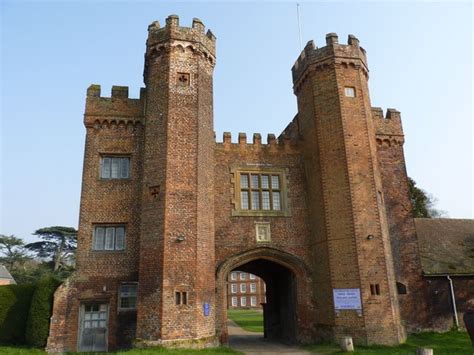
405,249
176,296
345,196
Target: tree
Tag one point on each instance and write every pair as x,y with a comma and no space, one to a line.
423,203
13,251
59,243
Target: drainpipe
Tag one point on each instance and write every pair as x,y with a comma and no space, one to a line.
454,301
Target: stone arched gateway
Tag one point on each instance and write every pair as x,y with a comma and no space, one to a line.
288,281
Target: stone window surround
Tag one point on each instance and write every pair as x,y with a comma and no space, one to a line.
265,170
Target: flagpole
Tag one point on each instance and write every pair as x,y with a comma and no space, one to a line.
299,25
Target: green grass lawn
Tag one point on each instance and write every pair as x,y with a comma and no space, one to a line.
450,343
14,350
248,319
151,351
11,350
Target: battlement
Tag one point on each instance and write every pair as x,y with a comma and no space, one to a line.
388,128
117,107
333,52
172,31
282,143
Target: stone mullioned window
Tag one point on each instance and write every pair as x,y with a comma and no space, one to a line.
260,192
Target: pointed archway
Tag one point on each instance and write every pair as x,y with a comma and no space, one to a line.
286,278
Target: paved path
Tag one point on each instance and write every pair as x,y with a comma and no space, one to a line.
254,343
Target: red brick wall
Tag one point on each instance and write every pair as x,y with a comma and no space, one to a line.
236,235
344,191
259,292
390,139
179,159
341,133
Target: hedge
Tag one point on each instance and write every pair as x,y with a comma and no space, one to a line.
15,301
41,307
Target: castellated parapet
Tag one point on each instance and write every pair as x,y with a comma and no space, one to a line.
172,35
388,129
326,57
117,109
274,145
173,31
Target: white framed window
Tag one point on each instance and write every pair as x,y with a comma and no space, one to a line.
349,91
233,288
252,276
243,288
109,238
233,276
243,276
243,301
128,296
253,301
114,167
234,301
253,288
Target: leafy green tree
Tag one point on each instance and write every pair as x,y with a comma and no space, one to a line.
14,255
423,203
37,328
58,243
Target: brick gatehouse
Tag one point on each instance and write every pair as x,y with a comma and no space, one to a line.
321,213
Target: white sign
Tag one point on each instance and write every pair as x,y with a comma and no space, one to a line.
347,298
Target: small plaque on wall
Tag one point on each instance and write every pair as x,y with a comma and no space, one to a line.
262,230
347,299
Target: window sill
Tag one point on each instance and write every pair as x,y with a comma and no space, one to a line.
260,213
127,310
114,180
108,251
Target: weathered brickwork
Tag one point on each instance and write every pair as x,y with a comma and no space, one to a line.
408,271
339,219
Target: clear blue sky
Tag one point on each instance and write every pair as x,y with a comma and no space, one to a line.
420,59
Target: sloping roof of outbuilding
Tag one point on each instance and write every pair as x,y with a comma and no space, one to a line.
4,274
446,245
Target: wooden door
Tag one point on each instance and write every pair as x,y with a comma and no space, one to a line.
93,327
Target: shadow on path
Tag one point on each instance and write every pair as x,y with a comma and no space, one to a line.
254,343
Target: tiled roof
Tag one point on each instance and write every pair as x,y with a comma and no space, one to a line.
4,274
446,245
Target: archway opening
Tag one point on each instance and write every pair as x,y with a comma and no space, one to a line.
279,305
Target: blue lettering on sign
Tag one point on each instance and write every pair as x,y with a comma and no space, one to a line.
206,309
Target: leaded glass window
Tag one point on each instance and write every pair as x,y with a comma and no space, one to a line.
263,192
114,167
109,238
